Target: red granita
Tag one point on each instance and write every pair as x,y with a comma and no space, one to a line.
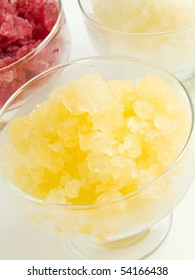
23,23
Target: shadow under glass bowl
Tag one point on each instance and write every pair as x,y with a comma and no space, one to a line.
130,227
172,49
54,49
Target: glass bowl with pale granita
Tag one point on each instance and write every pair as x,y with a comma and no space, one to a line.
99,153
160,32
34,36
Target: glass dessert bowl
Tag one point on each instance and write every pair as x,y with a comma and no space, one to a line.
160,32
88,163
34,46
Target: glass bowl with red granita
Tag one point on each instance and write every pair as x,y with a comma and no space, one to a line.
34,36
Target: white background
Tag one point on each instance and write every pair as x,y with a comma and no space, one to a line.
18,238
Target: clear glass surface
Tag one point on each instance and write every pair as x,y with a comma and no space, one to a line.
54,49
172,50
133,217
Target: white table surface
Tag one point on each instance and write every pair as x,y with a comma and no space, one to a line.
20,240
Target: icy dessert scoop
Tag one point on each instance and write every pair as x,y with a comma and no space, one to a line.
94,140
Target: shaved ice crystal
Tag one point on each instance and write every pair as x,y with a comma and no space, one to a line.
85,101
95,140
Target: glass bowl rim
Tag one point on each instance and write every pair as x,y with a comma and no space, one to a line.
138,34
36,50
82,61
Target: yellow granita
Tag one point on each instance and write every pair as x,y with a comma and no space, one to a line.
96,140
